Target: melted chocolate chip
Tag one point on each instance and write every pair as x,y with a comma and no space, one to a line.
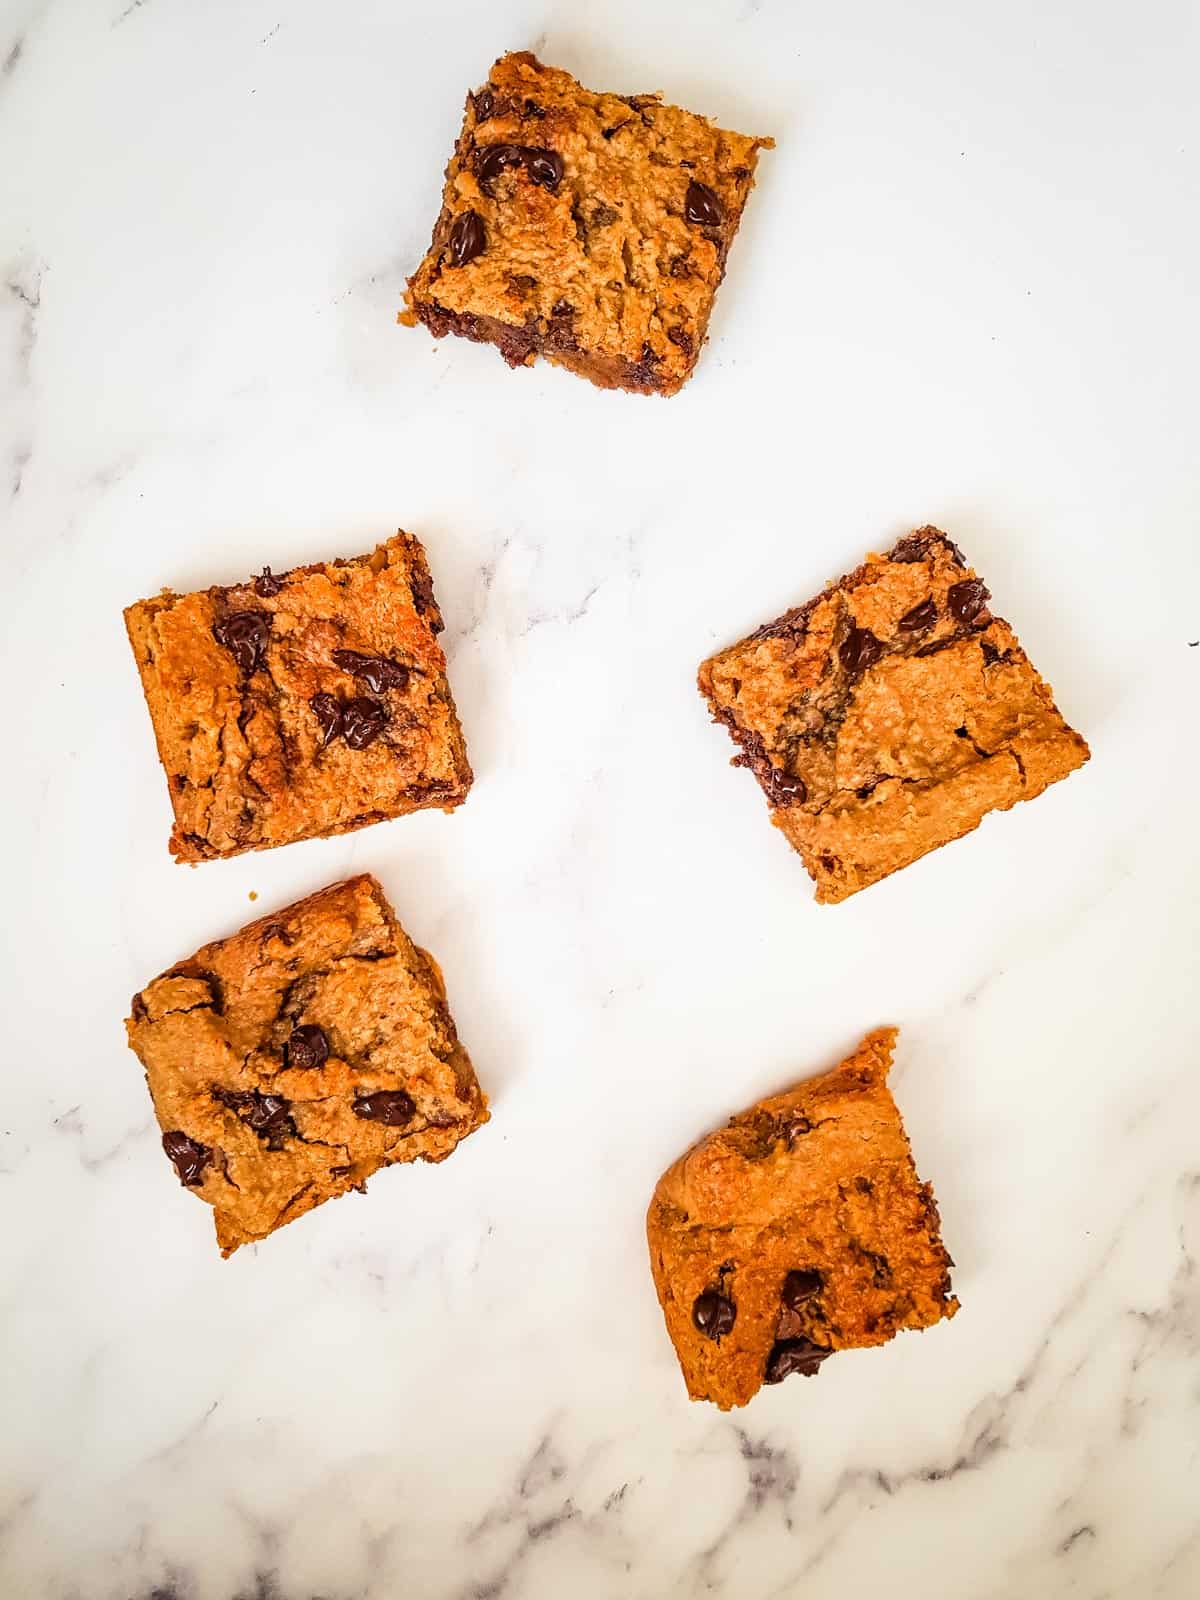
484,101
967,599
544,167
267,585
701,207
799,1287
377,672
363,720
919,618
187,1156
390,1106
784,788
268,1115
492,159
793,1355
244,634
859,650
467,238
307,1048
532,109
329,714
714,1314
682,338
990,654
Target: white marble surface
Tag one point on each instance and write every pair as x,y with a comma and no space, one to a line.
966,292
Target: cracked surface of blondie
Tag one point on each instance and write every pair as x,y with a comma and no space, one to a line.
798,1230
291,1061
300,704
589,228
889,715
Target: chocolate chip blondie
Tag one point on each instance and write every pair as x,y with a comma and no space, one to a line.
300,704
799,1230
889,715
589,228
291,1061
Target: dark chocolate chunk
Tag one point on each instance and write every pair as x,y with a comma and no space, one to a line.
920,617
421,585
682,338
390,1106
784,788
532,109
701,207
859,650
188,1157
793,1355
714,1314
377,672
799,1287
492,159
268,1115
544,167
307,1048
363,720
267,585
467,238
329,714
967,599
484,101
917,546
990,654
244,634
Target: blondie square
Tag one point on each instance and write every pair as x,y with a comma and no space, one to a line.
799,1230
291,1061
589,228
300,704
889,715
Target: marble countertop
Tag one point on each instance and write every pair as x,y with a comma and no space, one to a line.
965,293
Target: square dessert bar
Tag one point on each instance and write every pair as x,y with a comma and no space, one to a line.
799,1230
294,1059
300,704
889,715
588,228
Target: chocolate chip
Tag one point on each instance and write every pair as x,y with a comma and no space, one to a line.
562,308
702,207
329,714
268,1115
467,238
363,721
784,788
188,1157
307,1048
544,167
484,101
714,1314
859,650
681,267
267,585
922,616
967,599
799,1287
532,109
491,160
990,654
244,634
421,585
682,338
377,672
793,1355
390,1106
793,1128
